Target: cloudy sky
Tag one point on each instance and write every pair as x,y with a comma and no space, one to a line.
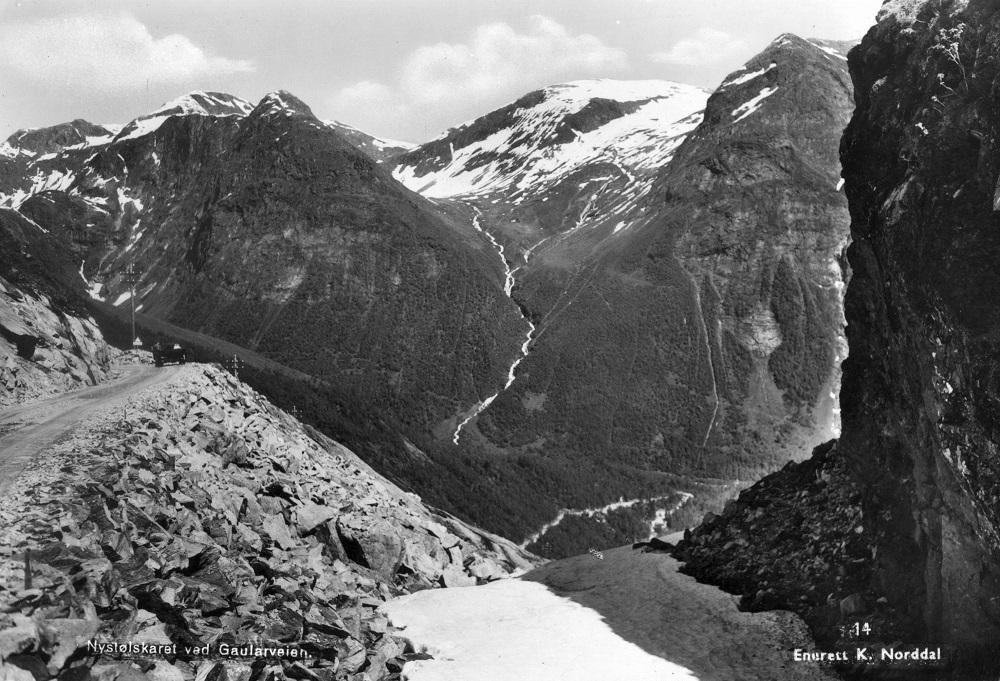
406,69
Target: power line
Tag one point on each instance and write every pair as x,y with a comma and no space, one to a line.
132,278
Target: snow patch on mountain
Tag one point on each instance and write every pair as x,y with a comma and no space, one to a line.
747,77
42,180
830,51
140,128
753,105
380,143
200,103
197,103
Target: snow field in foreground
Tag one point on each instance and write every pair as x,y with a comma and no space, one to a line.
512,629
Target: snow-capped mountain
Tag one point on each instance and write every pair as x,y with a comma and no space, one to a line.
261,225
41,159
677,255
549,134
192,104
596,300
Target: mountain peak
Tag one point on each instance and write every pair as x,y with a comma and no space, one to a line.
196,103
548,133
52,138
583,91
830,48
788,65
201,103
282,102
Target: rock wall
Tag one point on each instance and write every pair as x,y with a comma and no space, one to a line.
921,390
920,399
43,350
210,517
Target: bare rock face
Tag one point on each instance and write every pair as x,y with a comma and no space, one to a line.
921,393
48,342
212,517
43,350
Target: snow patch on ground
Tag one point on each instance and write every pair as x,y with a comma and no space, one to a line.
495,633
124,198
94,290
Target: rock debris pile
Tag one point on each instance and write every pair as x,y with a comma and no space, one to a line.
793,541
212,518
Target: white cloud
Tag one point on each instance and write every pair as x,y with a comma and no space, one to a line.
498,58
365,94
105,52
497,61
707,46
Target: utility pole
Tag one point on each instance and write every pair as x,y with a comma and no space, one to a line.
131,278
234,364
295,411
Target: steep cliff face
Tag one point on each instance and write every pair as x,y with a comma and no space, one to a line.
48,342
921,390
920,397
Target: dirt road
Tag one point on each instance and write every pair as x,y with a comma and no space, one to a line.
28,429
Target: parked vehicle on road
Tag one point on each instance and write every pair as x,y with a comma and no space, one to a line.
165,353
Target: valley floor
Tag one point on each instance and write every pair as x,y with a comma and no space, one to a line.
627,615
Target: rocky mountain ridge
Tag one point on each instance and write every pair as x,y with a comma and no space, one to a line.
379,148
